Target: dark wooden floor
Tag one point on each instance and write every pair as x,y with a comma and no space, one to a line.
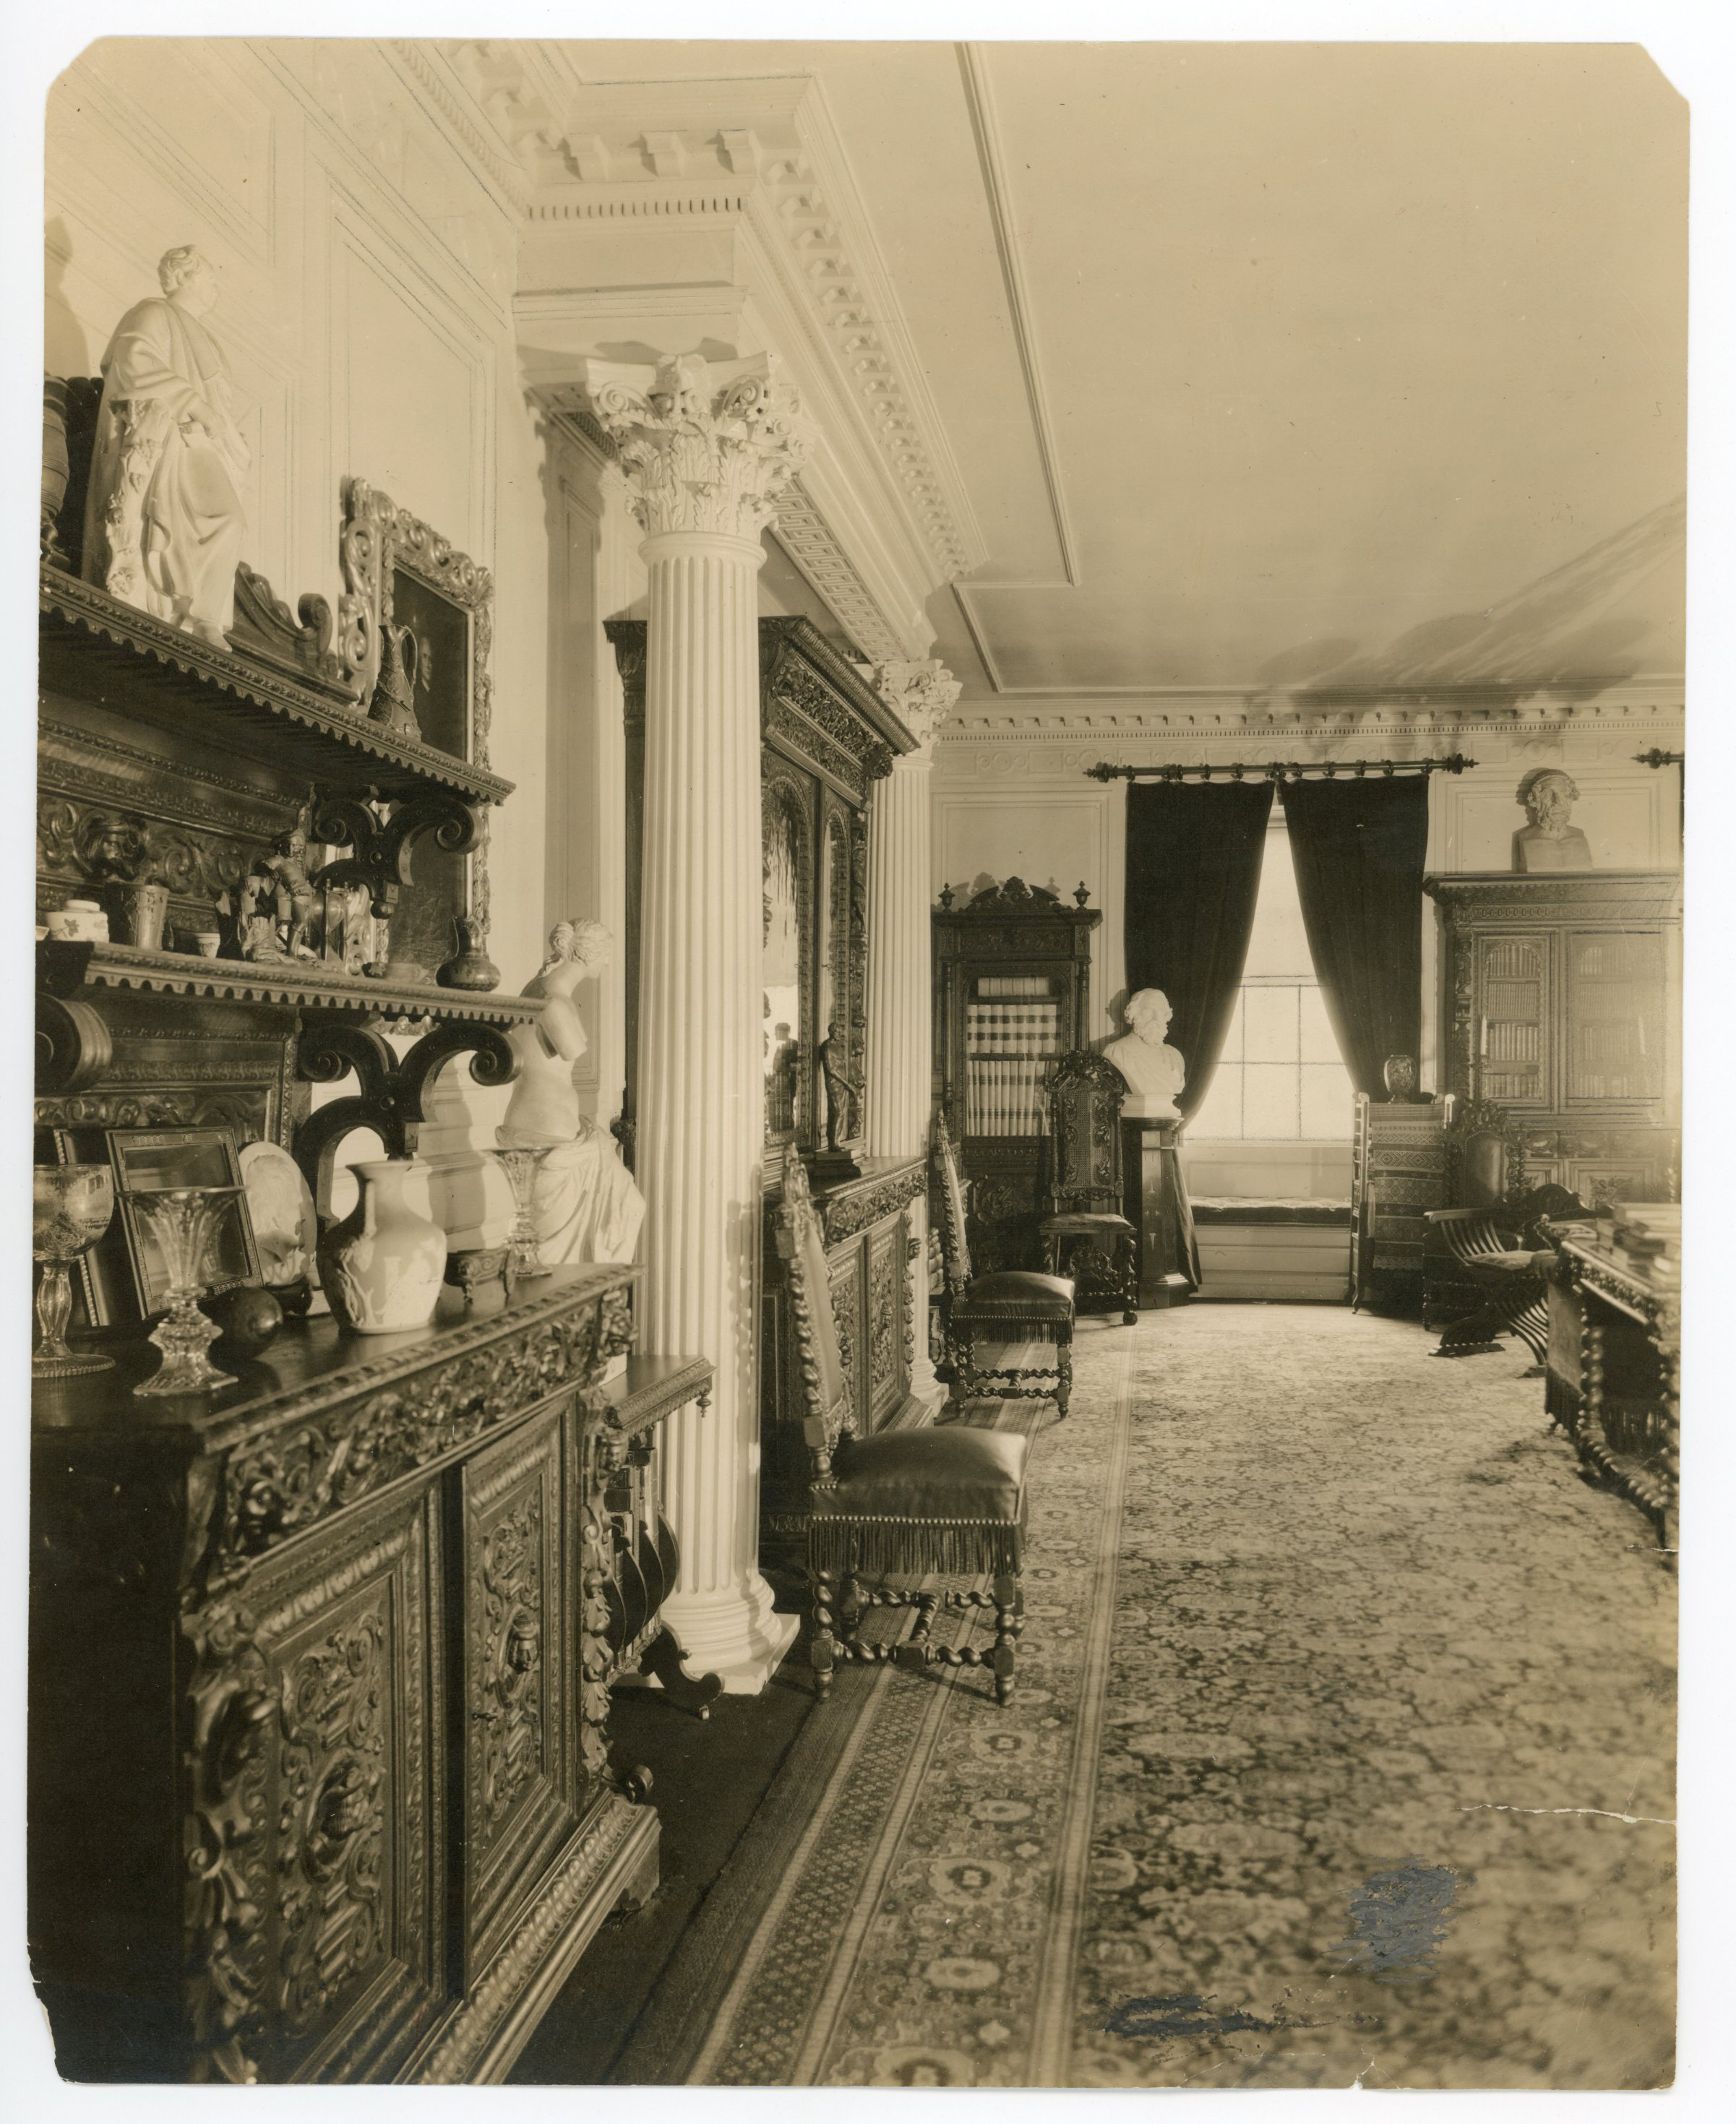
709,1779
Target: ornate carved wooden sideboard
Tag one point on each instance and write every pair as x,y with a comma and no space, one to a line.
1563,1007
319,1782
319,1666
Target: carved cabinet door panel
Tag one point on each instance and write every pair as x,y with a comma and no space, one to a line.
515,1803
888,1283
318,1802
847,1310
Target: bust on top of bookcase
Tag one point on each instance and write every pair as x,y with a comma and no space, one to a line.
1012,995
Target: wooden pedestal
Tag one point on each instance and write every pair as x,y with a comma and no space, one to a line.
1156,1204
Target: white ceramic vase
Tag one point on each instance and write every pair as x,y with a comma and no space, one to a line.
381,1268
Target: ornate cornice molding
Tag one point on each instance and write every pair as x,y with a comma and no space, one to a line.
705,446
809,540
766,154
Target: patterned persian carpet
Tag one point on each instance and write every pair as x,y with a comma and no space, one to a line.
1342,1751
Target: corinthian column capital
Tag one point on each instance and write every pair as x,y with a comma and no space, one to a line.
920,695
705,446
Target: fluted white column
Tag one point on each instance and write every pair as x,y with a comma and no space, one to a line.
706,449
899,978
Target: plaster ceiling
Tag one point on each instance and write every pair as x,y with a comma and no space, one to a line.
1303,362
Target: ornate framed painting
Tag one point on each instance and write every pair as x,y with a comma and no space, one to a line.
416,643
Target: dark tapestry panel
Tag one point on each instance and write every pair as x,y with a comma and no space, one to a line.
1359,849
1193,875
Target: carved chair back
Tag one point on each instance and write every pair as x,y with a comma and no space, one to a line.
1085,1095
955,1246
1485,1158
826,1413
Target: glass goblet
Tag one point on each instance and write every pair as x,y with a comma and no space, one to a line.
179,1221
522,1164
71,1206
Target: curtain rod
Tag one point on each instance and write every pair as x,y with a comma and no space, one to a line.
1281,770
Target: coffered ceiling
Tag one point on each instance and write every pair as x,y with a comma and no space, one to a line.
1279,366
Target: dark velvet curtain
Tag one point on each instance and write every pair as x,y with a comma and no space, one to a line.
1359,848
1193,874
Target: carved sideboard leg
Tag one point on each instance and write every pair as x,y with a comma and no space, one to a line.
662,1659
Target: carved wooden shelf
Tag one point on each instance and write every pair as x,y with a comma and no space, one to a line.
308,989
649,1389
153,673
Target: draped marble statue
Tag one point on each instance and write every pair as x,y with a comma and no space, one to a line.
585,1205
1155,1072
163,522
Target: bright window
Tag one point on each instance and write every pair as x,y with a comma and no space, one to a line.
1280,1077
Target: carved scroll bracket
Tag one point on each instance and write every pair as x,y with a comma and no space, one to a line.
391,1091
380,845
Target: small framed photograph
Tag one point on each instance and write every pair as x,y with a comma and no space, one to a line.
156,1161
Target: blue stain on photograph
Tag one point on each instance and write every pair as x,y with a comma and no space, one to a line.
1398,1919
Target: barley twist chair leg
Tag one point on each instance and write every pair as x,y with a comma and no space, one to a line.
1130,1280
1008,1608
964,1372
916,1650
849,1611
823,1653
1063,1369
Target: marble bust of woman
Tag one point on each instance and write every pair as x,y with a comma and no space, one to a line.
1155,1072
585,1205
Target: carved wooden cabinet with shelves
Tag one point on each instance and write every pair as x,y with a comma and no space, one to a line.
319,1780
1562,1006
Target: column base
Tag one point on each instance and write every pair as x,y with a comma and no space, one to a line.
923,1400
737,1636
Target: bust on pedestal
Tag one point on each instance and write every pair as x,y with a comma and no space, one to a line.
585,1205
1155,1072
1156,1193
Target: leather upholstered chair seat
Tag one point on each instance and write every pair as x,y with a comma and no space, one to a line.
909,1504
1019,1294
932,1478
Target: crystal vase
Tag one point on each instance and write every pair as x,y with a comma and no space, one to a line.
71,1206
522,1164
179,1222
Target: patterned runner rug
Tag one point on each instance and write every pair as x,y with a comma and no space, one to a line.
1340,1751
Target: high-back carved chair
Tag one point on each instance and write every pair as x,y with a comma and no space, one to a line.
1012,1305
1484,1268
909,1503
1085,1223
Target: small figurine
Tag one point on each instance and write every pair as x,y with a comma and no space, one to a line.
841,1094
1551,841
292,893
